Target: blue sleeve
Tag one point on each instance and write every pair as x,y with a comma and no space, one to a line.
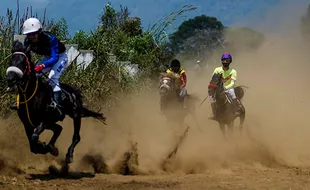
54,52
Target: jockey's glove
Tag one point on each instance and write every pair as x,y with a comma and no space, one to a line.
39,68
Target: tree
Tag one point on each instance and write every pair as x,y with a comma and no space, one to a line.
195,35
59,28
109,17
132,26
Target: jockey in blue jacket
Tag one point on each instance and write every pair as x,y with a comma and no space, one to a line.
46,44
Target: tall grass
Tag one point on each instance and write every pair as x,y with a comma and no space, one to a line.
104,80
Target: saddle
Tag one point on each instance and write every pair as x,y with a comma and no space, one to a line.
64,95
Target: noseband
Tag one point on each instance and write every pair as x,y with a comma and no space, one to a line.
165,81
17,70
27,69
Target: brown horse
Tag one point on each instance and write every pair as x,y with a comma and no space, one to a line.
226,112
171,104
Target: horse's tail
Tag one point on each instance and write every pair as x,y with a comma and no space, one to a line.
239,91
97,115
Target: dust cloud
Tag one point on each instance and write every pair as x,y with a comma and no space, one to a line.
276,118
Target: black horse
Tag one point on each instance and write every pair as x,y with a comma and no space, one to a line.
34,101
226,112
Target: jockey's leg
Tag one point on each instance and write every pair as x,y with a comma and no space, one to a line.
54,76
237,104
183,95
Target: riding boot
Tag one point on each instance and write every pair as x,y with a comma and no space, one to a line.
237,106
214,116
57,99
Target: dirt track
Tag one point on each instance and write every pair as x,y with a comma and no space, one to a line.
272,154
238,177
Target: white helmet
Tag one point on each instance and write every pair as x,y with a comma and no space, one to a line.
31,25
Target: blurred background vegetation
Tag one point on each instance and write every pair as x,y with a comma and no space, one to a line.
122,35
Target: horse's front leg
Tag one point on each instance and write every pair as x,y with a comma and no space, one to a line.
36,147
56,133
37,132
75,140
222,127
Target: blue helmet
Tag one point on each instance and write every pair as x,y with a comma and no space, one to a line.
226,56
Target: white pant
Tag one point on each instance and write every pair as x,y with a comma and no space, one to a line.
55,70
230,91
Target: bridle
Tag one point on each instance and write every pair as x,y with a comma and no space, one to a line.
27,70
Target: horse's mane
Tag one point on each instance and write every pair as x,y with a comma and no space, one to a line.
18,46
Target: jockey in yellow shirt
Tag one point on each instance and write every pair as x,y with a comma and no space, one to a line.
175,67
229,77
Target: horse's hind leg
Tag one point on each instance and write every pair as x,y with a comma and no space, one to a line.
75,140
231,127
56,132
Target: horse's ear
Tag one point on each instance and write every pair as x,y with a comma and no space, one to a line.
28,49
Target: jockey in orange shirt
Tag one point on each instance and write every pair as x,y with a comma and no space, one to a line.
175,67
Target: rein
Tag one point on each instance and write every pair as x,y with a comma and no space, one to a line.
24,91
212,85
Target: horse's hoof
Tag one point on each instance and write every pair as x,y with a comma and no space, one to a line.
35,138
69,159
62,117
65,169
53,150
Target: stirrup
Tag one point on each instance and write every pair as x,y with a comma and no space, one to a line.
53,104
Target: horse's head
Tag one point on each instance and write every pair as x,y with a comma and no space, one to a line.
166,83
20,67
215,85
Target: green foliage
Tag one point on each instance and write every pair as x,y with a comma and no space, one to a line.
59,28
109,18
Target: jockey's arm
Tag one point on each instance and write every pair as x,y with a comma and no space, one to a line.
233,80
183,80
231,85
54,52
